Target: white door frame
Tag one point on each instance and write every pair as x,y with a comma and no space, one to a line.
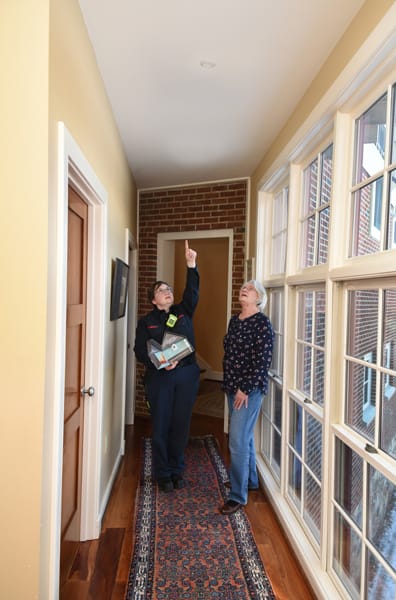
166,254
166,262
74,170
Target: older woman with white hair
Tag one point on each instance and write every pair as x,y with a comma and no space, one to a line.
247,358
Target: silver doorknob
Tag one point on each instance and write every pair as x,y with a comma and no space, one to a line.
90,391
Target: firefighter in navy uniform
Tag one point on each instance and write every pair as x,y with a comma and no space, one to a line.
171,391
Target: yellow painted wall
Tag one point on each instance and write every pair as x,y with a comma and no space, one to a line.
77,98
49,74
23,298
362,25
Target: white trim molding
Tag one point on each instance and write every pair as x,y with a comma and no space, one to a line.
74,170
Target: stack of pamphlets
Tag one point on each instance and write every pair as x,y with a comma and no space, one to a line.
173,347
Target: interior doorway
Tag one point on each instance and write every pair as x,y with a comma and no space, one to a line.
73,413
214,262
74,171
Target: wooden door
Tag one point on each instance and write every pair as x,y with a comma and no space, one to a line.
74,380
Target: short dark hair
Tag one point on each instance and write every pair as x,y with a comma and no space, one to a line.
153,288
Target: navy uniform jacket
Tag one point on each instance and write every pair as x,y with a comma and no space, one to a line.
153,325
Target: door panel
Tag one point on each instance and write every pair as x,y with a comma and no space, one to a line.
74,380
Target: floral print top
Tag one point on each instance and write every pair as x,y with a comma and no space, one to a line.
247,353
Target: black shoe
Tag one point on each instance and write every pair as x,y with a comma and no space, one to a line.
178,482
230,507
165,484
250,488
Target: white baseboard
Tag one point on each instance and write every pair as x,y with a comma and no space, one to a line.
110,484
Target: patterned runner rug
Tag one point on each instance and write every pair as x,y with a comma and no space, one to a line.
184,548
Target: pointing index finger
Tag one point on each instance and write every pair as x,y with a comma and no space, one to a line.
186,244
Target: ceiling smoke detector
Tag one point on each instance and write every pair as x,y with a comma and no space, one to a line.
207,64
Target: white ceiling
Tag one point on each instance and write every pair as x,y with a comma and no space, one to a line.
181,122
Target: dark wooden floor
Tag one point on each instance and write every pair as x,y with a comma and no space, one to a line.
100,570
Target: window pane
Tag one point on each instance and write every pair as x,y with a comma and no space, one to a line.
326,175
313,446
310,188
305,312
278,407
276,455
276,315
393,140
320,318
319,377
323,243
276,356
370,137
272,419
381,515
294,463
315,211
266,436
391,237
389,332
366,231
296,426
388,388
360,394
308,245
278,258
295,479
388,416
276,309
266,405
380,585
363,324
312,505
348,484
279,232
304,362
347,555
277,215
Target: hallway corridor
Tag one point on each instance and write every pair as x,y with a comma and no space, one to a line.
100,569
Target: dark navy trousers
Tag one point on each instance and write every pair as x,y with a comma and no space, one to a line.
171,396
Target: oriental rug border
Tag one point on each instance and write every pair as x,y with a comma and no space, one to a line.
238,571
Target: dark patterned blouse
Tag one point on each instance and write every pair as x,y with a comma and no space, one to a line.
247,353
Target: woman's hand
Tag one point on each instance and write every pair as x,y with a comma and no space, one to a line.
191,255
173,364
241,399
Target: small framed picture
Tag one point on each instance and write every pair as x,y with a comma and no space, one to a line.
119,289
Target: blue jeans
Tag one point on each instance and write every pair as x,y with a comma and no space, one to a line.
243,472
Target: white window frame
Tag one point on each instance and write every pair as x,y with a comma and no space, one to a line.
339,106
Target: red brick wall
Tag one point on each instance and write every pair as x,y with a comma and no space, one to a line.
219,205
